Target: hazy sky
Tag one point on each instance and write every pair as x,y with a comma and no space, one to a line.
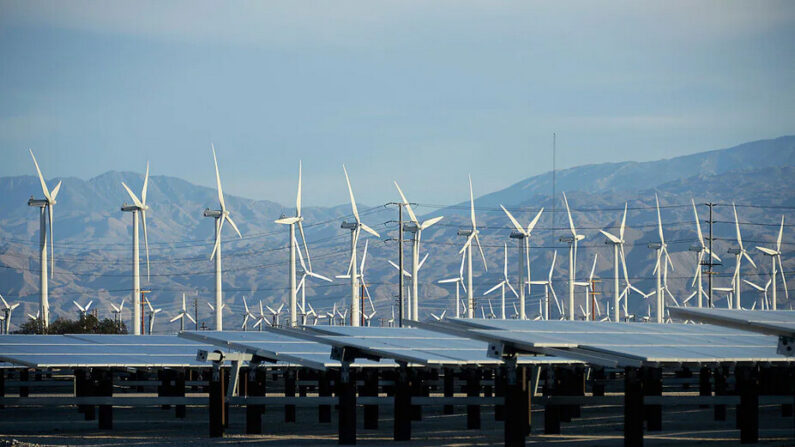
422,92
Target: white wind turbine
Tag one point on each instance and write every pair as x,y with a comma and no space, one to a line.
7,309
661,251
776,255
262,319
590,289
212,307
762,300
246,315
549,289
459,283
471,234
439,317
700,249
501,285
116,311
138,206
618,255
292,221
415,227
275,314
738,253
83,310
523,235
152,313
572,241
355,228
220,217
306,272
45,212
409,275
184,314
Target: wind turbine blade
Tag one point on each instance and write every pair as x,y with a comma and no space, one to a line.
611,237
231,222
552,266
737,227
494,288
698,224
512,289
287,220
217,238
146,184
180,316
755,286
780,234
364,258
505,262
319,276
300,257
514,221
471,205
430,222
146,242
41,178
466,244
424,258
480,249
132,195
298,195
446,281
745,253
350,192
568,212
783,278
767,251
698,267
623,263
593,267
623,223
708,251
533,222
690,297
306,248
407,205
54,192
369,230
218,180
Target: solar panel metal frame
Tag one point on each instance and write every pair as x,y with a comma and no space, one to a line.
773,322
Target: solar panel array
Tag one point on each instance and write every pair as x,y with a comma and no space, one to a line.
771,322
629,344
417,345
74,351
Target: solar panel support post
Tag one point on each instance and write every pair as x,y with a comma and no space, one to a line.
633,408
748,410
720,390
551,411
346,391
652,386
402,409
289,376
515,419
216,406
24,376
417,383
499,391
324,389
179,391
255,388
704,384
104,379
448,386
370,389
2,386
473,390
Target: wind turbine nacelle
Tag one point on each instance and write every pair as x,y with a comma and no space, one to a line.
37,202
411,227
655,245
516,235
734,251
349,225
212,213
695,248
567,239
464,232
129,208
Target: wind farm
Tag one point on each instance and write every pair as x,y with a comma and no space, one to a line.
397,223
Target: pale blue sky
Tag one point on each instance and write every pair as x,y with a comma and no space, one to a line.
422,92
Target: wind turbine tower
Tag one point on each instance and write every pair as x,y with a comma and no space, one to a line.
523,235
618,254
220,216
572,241
138,206
471,233
45,211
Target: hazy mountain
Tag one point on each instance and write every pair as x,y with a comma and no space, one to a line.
93,237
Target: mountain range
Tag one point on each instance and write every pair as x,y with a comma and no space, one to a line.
93,236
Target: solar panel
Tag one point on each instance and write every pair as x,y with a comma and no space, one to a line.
276,347
73,351
417,345
771,322
628,344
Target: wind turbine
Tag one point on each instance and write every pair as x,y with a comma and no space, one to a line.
306,272
548,289
355,228
590,289
618,255
472,233
83,310
776,255
116,311
275,314
761,300
738,253
6,309
700,249
138,206
501,285
152,313
184,313
220,216
572,241
415,227
246,315
45,212
262,319
292,221
523,235
459,282
661,249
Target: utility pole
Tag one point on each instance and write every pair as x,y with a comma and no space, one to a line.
400,264
593,294
710,263
143,310
196,312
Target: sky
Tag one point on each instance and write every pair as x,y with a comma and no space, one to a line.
415,91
